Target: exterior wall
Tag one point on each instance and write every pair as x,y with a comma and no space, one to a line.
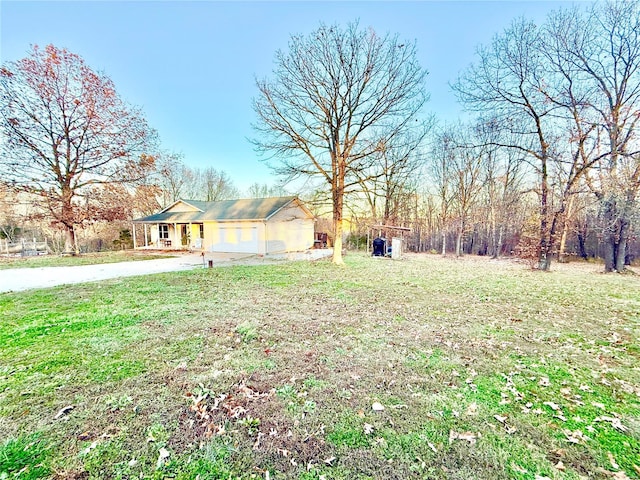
194,237
289,236
182,207
290,230
241,237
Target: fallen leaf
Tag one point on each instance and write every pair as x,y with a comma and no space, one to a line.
472,409
432,447
510,430
500,418
615,422
368,428
553,406
163,454
560,466
86,450
468,436
64,410
575,436
377,407
612,461
544,382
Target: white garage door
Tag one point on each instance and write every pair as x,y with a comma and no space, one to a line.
238,240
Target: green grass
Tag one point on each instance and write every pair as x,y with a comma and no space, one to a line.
72,261
485,369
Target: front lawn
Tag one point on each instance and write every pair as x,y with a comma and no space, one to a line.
424,368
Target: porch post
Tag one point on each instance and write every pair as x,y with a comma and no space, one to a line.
144,226
175,234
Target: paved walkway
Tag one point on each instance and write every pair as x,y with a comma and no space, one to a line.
19,279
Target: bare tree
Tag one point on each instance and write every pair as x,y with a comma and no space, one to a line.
212,185
264,190
66,130
331,95
439,172
389,185
603,49
532,93
174,178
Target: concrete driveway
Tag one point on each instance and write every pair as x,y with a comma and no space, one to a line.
19,279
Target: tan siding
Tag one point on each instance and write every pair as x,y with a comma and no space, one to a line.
182,207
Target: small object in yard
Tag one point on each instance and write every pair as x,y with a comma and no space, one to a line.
377,407
379,244
64,410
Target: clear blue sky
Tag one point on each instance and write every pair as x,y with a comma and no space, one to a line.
191,65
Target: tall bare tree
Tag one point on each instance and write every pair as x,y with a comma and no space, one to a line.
213,185
331,95
391,181
602,47
534,98
65,131
439,172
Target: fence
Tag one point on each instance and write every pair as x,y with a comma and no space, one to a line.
24,247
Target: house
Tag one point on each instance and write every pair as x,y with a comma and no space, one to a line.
259,226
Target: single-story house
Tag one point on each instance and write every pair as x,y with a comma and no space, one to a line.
259,226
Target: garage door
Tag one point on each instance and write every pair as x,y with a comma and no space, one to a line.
238,240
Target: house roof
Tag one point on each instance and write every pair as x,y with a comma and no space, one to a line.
227,210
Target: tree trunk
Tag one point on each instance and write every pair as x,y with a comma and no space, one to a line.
444,243
544,246
338,203
565,232
609,236
582,246
67,220
498,245
70,245
621,251
459,241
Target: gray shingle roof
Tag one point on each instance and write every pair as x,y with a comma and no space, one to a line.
226,210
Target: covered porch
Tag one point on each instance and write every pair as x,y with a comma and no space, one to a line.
168,236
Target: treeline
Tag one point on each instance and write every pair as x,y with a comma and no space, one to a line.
551,164
547,166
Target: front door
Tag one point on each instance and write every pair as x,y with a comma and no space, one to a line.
184,234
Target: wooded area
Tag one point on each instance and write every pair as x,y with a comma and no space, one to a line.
546,165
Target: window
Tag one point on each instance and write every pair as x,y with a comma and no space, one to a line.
201,230
163,231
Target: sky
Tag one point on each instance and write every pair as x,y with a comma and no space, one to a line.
191,66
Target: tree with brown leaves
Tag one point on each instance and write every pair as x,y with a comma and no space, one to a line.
65,133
